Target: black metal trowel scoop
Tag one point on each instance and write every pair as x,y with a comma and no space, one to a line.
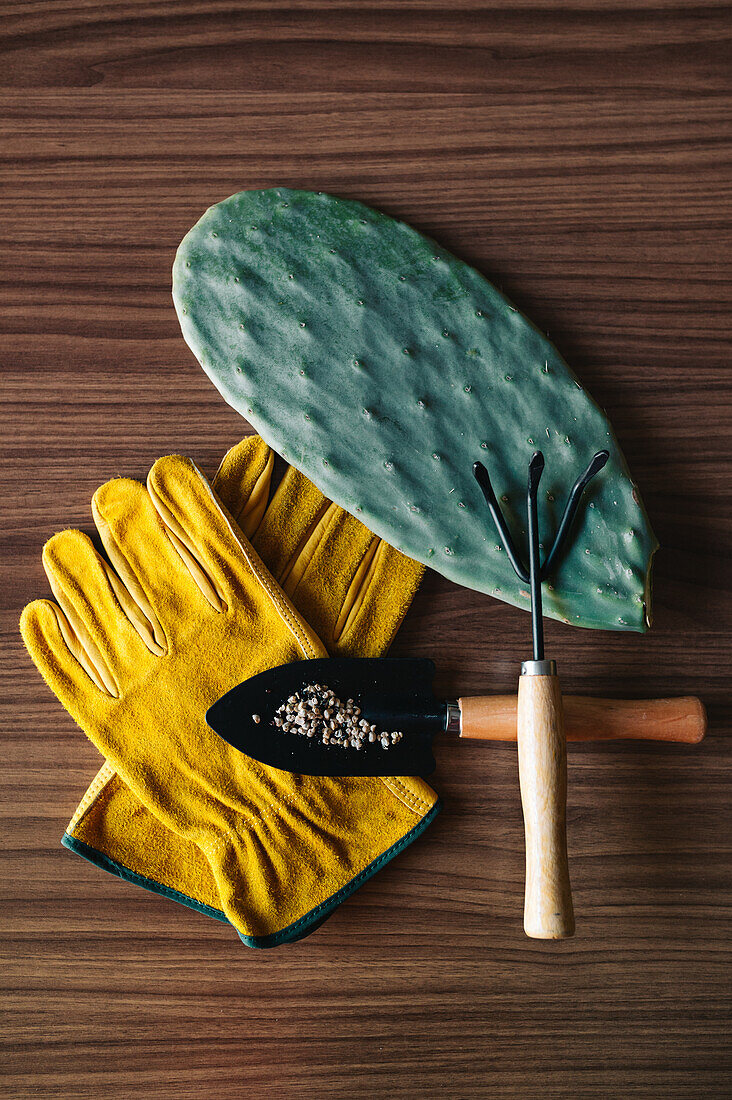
393,694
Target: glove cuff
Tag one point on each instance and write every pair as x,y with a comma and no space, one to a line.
113,867
312,920
115,832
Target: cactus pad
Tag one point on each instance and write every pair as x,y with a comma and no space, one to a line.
383,367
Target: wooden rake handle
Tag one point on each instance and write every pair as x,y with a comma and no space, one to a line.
542,722
542,760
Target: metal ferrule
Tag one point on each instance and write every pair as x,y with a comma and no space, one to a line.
538,668
453,717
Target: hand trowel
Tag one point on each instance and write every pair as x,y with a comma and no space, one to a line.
395,694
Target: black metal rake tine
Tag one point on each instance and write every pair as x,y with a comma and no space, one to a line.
537,571
570,510
536,469
481,476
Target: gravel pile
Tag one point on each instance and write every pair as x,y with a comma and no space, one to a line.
316,711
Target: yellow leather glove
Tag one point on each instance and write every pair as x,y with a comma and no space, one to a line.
137,657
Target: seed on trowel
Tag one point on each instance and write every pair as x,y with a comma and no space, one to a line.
317,712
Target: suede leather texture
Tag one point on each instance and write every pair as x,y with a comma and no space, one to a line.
190,612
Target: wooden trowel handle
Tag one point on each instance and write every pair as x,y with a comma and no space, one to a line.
493,718
542,758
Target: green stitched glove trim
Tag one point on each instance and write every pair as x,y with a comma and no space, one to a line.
294,932
118,869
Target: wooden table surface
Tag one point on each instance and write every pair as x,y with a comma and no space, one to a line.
578,153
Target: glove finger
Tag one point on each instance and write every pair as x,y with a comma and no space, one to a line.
296,510
243,480
59,655
193,515
379,596
91,599
326,569
153,567
195,520
350,585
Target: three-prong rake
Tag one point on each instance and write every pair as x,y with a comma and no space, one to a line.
548,910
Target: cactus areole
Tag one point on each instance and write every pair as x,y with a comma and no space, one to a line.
383,367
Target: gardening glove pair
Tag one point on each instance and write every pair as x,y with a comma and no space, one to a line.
138,652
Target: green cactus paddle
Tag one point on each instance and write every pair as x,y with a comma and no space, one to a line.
382,367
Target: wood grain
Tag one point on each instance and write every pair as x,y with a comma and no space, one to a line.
578,152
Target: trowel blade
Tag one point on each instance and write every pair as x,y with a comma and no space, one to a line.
394,693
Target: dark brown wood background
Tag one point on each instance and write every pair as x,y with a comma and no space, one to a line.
578,153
